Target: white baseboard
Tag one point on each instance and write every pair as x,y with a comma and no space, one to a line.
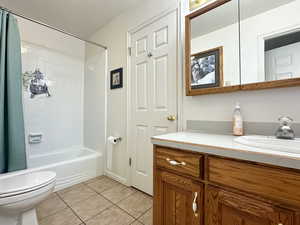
116,177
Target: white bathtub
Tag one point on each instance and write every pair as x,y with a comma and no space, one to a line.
72,166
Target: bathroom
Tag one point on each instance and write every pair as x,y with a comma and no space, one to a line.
105,146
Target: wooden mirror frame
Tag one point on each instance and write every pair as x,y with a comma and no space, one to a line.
211,90
222,89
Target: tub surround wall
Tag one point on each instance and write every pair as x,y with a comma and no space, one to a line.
94,98
74,116
58,118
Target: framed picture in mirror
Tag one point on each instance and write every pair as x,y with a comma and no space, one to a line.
207,69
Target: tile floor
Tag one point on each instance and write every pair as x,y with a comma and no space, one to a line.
100,201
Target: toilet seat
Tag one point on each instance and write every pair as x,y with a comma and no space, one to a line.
24,183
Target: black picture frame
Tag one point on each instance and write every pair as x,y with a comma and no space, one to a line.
216,64
116,79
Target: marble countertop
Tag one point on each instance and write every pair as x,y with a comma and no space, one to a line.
224,145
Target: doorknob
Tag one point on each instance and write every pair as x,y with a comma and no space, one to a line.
171,118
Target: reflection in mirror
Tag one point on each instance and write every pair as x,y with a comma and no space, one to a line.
270,40
214,48
194,4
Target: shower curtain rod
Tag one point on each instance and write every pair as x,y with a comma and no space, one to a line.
51,27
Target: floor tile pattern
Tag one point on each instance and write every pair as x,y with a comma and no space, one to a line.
99,201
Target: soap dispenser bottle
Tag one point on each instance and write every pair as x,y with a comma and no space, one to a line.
238,129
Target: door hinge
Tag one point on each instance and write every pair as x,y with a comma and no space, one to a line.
130,161
129,51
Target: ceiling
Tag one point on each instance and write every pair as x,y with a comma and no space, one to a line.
80,17
227,14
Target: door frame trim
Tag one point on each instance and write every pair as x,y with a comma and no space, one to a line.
179,87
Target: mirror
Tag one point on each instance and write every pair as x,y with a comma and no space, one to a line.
257,47
270,43
212,49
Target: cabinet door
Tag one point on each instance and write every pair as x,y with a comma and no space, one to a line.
226,208
177,200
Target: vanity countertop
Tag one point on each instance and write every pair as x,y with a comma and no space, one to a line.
224,145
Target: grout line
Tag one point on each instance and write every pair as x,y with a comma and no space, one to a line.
143,215
112,203
99,213
123,198
71,209
84,222
129,213
136,191
137,221
115,204
52,214
87,184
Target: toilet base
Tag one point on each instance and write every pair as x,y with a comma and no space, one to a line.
29,218
26,218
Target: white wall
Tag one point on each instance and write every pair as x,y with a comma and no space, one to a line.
265,106
257,106
60,117
94,98
114,35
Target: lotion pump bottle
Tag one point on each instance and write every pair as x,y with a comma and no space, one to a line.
238,129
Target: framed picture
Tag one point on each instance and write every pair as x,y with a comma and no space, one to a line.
194,4
207,69
116,78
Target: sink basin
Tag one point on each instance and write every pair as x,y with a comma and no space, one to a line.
270,143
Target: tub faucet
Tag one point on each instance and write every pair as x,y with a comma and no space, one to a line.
285,131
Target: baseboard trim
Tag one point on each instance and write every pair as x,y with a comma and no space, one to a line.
116,177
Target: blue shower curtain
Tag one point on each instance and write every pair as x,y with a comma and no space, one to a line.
12,136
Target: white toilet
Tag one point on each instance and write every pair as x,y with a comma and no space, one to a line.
20,194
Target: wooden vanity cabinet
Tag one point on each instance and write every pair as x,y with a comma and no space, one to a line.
178,200
221,197
227,208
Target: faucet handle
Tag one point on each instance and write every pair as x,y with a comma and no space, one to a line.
285,120
285,131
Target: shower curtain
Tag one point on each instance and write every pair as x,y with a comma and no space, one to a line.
12,134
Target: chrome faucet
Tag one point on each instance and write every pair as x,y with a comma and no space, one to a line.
285,131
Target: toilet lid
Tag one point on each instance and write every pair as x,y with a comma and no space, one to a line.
13,185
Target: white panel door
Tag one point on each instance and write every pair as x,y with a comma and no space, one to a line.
153,93
283,63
